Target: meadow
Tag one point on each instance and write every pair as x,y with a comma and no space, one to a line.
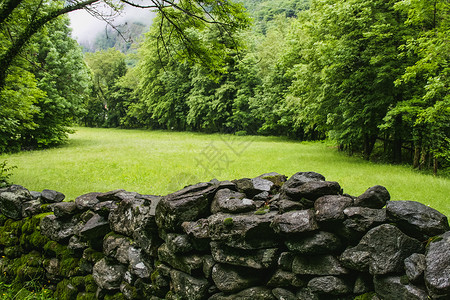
161,162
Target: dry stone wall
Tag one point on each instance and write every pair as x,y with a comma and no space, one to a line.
253,238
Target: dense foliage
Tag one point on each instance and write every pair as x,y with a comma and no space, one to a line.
371,75
44,89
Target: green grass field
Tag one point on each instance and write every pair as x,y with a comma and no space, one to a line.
160,162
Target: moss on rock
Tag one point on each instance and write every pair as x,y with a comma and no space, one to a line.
89,284
65,290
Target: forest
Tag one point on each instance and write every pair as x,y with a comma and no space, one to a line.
371,75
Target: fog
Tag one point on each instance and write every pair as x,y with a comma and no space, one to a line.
86,27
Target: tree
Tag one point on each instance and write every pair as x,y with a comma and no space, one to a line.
344,83
107,68
62,74
425,107
178,15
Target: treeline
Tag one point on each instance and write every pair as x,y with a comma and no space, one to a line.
45,88
371,75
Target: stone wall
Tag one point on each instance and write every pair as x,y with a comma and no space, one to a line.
260,238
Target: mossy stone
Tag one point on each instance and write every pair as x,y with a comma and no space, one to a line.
65,290
86,296
37,240
78,282
92,255
366,296
28,273
89,284
68,266
30,225
13,251
10,233
3,219
52,249
118,296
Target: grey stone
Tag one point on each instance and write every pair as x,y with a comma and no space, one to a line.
306,294
11,205
208,264
262,185
108,275
277,179
285,205
319,265
437,272
35,195
87,201
51,266
188,263
51,196
129,291
117,247
319,243
189,204
189,287
315,189
20,191
198,229
232,279
283,294
417,219
415,267
374,197
329,285
31,208
283,278
291,186
105,208
309,185
263,196
391,287
59,230
361,219
294,222
95,229
178,243
131,215
64,209
382,250
285,261
111,196
257,259
77,244
330,208
253,293
363,284
243,231
229,201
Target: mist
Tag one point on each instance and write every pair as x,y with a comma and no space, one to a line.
85,27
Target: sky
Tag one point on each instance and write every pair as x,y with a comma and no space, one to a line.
86,27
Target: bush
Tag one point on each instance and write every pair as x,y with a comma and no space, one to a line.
5,173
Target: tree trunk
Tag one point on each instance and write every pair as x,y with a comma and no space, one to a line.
435,166
423,159
416,156
369,144
397,144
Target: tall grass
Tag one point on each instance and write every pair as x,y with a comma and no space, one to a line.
160,162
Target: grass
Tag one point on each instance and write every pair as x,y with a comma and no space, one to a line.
30,291
160,162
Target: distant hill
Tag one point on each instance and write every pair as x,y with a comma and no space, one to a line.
121,37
